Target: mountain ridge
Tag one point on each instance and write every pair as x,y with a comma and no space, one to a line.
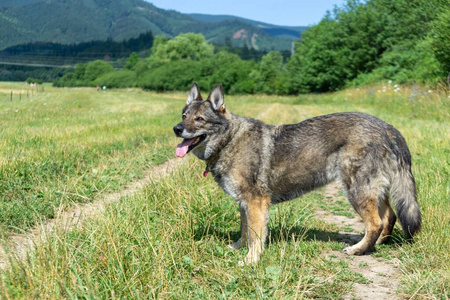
69,22
290,31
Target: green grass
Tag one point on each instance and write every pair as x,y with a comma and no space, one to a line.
338,208
169,240
60,147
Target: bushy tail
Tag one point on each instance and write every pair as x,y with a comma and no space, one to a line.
403,195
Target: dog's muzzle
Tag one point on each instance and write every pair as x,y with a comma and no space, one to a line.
178,129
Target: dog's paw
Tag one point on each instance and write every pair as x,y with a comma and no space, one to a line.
251,259
352,251
348,250
248,260
236,246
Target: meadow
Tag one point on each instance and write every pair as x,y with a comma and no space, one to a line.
169,240
57,148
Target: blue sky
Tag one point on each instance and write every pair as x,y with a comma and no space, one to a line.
278,12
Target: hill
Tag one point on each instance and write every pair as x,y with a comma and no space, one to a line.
292,32
68,22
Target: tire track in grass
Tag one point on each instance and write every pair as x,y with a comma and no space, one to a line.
18,245
382,274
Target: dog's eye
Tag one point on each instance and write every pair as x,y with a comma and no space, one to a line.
199,119
184,117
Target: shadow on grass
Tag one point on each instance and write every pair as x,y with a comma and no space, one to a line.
279,235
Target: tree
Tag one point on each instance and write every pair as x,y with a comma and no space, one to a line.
403,37
158,42
171,76
362,42
440,38
317,62
95,69
80,69
267,75
117,79
132,61
184,46
228,69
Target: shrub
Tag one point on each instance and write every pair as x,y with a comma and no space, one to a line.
171,76
117,79
95,69
31,80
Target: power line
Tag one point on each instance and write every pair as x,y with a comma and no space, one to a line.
114,64
36,65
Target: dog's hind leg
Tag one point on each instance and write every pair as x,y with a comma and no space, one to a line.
257,218
365,184
242,242
388,218
367,208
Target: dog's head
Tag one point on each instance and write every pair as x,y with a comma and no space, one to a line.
203,123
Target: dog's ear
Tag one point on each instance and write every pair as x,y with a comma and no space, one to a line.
216,98
194,94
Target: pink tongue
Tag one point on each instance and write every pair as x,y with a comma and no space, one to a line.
183,147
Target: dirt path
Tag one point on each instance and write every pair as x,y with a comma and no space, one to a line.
19,244
383,274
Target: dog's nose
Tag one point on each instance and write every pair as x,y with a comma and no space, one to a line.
178,129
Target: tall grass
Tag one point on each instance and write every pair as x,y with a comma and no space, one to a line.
169,240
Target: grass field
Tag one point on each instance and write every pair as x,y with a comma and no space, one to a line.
63,146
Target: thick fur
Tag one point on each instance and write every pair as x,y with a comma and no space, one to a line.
259,164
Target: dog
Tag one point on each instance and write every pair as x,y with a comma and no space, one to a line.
259,164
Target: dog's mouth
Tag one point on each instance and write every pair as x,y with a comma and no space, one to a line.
188,144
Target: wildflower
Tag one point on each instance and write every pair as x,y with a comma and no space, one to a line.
429,91
395,86
414,95
390,82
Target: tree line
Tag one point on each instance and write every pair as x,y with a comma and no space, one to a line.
56,53
358,43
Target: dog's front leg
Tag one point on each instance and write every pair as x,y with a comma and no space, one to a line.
257,218
242,242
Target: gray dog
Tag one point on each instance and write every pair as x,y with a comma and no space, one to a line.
259,164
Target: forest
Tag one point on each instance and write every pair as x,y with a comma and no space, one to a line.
68,22
356,44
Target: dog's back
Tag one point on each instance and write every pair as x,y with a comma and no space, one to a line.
316,151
